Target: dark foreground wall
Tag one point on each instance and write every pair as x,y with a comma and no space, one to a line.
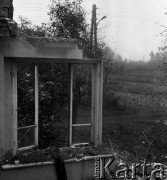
83,170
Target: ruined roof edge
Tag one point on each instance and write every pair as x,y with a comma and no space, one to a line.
42,41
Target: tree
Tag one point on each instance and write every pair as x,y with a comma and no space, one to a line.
108,54
67,19
152,56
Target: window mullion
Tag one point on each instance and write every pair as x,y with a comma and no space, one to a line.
71,102
14,80
93,103
96,118
80,125
36,103
100,100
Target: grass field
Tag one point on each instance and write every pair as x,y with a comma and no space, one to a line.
135,115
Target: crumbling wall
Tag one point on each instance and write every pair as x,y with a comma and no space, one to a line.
6,9
7,26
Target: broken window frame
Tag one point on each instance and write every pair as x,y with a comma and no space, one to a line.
35,125
96,101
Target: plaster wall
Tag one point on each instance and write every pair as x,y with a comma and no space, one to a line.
22,48
14,47
8,109
2,131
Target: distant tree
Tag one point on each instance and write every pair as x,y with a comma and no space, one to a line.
108,59
163,35
152,56
24,23
108,54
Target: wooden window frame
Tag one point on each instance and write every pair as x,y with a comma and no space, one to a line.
15,114
96,105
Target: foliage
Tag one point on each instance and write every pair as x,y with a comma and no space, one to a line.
53,104
159,59
27,29
163,35
67,19
26,105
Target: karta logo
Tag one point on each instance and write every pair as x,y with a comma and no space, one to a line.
105,167
113,169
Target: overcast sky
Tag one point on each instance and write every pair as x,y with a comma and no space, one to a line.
130,27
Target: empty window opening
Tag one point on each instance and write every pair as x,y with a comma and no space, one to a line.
26,125
57,104
53,105
82,104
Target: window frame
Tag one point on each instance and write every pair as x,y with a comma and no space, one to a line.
96,102
15,113
72,125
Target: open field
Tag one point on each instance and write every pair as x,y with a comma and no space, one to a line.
135,116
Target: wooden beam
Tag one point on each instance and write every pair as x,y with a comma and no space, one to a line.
26,148
54,60
100,100
71,103
14,82
98,104
96,124
36,104
26,127
78,125
93,104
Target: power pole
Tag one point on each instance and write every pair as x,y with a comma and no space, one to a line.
93,35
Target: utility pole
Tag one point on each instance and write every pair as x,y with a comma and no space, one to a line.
93,35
